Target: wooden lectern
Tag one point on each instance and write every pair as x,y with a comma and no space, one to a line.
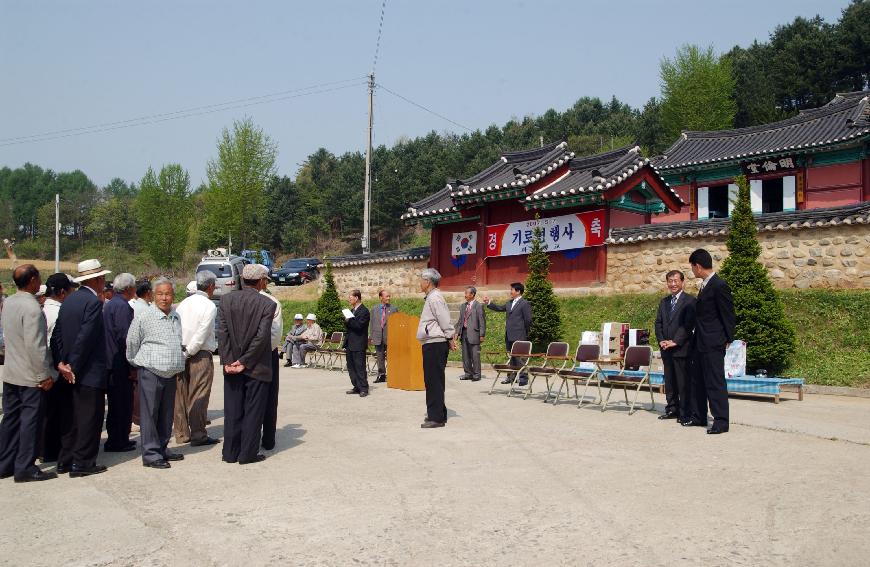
404,353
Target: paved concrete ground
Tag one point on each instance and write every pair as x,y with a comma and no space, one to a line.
507,482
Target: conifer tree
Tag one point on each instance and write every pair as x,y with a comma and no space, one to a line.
328,309
761,321
546,320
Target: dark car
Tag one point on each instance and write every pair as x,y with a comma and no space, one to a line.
295,272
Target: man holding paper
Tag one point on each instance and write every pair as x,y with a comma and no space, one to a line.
356,342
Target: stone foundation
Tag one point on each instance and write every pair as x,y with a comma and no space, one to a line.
400,278
833,257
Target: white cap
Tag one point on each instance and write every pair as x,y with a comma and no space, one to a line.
42,290
297,316
312,317
191,287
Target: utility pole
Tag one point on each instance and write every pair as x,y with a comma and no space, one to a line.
367,207
56,233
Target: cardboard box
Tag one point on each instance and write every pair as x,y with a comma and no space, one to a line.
637,337
613,336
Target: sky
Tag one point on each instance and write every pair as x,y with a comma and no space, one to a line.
68,65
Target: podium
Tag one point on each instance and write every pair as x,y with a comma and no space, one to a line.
404,353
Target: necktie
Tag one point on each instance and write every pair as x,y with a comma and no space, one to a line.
673,303
467,313
383,316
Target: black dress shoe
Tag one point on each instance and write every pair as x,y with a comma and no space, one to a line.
363,393
669,415
717,429
206,441
465,377
354,391
507,381
286,364
522,383
131,446
173,456
63,468
431,424
35,476
260,457
475,379
158,464
77,471
5,475
693,423
380,379
229,461
268,446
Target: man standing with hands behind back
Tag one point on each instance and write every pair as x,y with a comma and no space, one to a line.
516,325
471,330
675,322
714,330
378,332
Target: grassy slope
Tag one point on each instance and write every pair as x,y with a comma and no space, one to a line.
833,328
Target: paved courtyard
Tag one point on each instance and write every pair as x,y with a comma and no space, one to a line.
507,482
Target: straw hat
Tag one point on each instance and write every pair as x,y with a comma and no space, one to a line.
89,269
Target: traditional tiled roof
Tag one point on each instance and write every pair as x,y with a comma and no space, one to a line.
420,253
791,220
845,119
597,173
435,204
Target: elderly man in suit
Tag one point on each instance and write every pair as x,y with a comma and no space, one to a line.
270,417
117,316
245,345
154,348
378,332
714,330
355,343
471,331
674,324
517,323
28,374
78,344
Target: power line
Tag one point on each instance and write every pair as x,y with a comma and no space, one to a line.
420,106
186,113
378,42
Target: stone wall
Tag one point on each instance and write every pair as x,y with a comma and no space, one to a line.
834,257
401,278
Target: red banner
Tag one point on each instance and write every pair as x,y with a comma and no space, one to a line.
566,232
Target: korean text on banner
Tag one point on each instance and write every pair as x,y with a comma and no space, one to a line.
464,243
566,232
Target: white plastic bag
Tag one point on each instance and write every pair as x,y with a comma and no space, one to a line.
735,359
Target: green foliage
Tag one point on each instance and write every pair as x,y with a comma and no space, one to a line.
328,308
696,91
761,321
113,221
546,322
163,208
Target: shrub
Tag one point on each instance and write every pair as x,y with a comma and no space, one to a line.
328,310
546,321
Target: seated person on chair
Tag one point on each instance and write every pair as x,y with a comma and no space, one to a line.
292,338
308,341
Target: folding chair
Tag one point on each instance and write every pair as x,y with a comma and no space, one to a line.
324,354
555,359
635,358
521,350
583,354
336,355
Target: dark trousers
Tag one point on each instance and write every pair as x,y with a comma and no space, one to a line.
434,361
20,428
80,443
270,416
516,361
156,410
677,385
119,417
708,386
244,405
356,367
470,358
57,418
381,358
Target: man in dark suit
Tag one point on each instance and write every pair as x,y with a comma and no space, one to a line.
117,316
517,323
675,322
355,344
78,344
714,330
378,332
244,328
471,330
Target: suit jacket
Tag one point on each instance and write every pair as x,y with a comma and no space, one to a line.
28,362
79,338
518,320
476,323
117,316
377,335
244,332
676,326
714,316
357,329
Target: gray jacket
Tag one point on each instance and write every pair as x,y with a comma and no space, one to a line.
518,319
435,325
476,323
28,360
377,335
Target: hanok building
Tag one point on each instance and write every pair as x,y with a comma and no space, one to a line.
482,227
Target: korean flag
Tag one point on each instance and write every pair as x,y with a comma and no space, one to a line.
464,243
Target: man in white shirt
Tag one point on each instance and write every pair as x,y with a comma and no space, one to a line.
312,337
270,418
144,296
197,313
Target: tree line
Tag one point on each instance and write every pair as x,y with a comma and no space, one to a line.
319,211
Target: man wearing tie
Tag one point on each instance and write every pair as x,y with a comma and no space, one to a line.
516,325
471,330
378,332
714,330
675,322
355,342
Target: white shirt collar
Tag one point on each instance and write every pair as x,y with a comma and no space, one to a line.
707,279
90,289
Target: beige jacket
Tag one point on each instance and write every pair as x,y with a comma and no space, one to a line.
435,325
